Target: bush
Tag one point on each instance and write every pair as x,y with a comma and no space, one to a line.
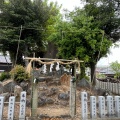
19,74
4,75
100,76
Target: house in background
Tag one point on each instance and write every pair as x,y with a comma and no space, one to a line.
5,63
106,70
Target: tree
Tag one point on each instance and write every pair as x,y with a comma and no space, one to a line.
91,32
81,38
106,17
116,68
25,21
106,14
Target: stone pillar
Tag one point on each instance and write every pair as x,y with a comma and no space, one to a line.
11,108
84,107
100,84
93,107
22,106
119,88
72,97
101,103
110,105
116,88
111,87
1,106
34,100
34,96
117,106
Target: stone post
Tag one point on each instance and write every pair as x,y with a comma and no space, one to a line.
34,99
11,108
110,106
34,94
119,88
72,97
22,106
117,106
1,106
84,107
93,114
101,103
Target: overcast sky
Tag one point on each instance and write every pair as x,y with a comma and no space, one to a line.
68,4
112,57
115,52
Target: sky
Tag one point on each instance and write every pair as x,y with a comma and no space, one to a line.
69,4
114,52
112,57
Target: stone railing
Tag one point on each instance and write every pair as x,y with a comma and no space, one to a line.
113,87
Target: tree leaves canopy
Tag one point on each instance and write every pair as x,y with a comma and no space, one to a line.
34,17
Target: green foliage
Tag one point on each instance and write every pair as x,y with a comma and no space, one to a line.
89,32
4,76
100,76
116,68
34,16
106,16
19,74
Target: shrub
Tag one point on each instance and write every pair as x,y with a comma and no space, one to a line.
100,76
19,74
4,75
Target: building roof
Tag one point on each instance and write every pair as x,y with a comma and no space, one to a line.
105,70
5,59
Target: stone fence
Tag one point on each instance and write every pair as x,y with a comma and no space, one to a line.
100,107
11,107
112,87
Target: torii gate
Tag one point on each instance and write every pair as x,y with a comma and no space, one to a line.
34,94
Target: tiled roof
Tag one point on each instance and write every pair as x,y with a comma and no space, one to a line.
105,70
5,59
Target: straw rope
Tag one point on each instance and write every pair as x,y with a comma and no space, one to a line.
29,67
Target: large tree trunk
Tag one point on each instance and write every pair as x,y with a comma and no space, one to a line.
93,75
82,67
51,51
